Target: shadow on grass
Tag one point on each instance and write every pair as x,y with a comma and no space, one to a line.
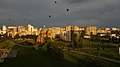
29,57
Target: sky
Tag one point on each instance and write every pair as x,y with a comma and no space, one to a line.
101,13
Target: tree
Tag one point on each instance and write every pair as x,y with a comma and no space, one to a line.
91,36
117,37
74,39
80,42
16,36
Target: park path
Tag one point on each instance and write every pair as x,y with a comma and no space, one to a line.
96,56
22,45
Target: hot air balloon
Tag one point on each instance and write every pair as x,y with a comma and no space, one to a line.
67,10
50,16
55,1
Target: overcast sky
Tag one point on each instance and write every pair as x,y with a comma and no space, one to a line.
102,13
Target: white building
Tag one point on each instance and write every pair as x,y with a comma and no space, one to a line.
3,30
30,29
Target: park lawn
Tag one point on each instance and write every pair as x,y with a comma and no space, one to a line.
28,57
107,52
88,61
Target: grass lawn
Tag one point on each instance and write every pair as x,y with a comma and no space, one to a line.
28,57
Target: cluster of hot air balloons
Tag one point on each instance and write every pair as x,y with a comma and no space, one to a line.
56,3
9,20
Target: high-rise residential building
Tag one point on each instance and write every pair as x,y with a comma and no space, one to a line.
49,33
12,31
82,29
64,35
30,29
75,32
90,30
75,28
22,30
68,33
55,31
43,33
4,29
35,31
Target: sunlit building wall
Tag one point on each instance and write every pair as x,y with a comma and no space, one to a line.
4,29
22,30
12,31
68,33
90,30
